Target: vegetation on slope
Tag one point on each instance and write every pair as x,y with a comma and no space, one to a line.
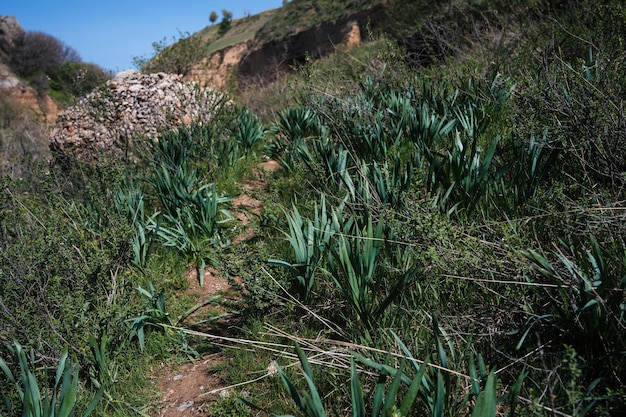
241,30
298,15
52,69
446,240
179,55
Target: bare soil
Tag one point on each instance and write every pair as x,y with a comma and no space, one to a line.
186,390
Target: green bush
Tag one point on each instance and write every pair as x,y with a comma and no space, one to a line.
177,57
64,252
77,79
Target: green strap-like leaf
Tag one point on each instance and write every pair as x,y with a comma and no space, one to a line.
396,291
389,370
414,388
315,403
486,401
68,394
515,390
440,395
285,265
358,407
7,371
378,395
293,392
306,367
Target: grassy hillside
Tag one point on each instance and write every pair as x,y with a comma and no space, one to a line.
298,15
441,239
292,17
241,30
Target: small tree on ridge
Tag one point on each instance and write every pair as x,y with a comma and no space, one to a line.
227,17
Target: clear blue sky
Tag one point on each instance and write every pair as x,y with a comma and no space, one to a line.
111,32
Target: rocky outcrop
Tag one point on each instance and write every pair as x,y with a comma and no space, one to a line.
10,33
130,107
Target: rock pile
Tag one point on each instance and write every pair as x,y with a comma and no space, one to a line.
130,106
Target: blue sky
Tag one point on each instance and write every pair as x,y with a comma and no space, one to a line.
111,32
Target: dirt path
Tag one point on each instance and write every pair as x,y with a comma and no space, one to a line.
188,390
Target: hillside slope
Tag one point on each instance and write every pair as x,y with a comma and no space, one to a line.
440,234
19,97
259,48
25,115
39,76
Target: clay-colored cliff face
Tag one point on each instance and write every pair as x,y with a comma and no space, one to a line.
216,70
315,42
24,100
259,60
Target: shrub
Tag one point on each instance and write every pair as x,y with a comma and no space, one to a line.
23,145
588,306
580,103
432,33
38,51
63,251
176,58
78,78
227,17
